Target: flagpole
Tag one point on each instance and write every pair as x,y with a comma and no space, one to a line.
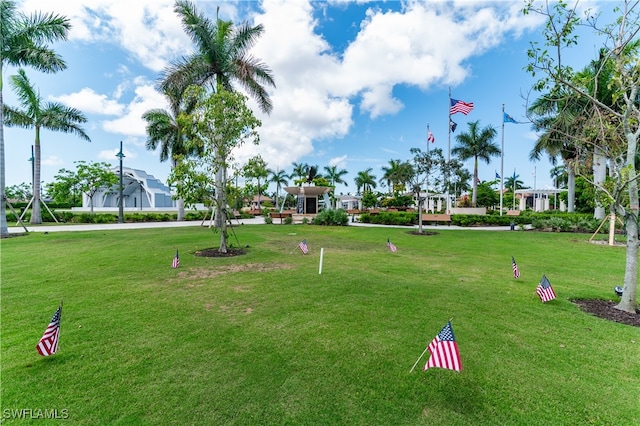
427,179
449,152
502,163
514,189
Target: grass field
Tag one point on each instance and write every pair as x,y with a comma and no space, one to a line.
264,339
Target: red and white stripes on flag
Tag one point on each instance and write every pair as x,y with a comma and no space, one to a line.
516,271
430,137
444,351
303,247
460,106
176,261
391,246
544,290
48,344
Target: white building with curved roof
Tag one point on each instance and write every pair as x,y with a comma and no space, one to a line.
140,191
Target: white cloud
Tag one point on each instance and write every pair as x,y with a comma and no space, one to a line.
340,162
131,122
88,101
52,161
109,156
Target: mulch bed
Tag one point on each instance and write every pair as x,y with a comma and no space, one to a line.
605,309
214,252
423,233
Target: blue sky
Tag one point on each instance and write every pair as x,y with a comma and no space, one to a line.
357,82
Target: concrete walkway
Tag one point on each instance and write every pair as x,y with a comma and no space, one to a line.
259,220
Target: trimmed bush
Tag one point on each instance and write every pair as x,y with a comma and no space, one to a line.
337,217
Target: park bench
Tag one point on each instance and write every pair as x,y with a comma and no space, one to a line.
513,212
436,217
281,216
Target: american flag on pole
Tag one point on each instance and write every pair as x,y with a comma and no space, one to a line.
430,137
391,246
516,271
460,106
544,290
444,351
176,261
48,344
303,247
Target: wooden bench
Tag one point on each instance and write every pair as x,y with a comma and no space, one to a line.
513,212
436,217
281,216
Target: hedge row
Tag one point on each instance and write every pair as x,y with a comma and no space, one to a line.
73,217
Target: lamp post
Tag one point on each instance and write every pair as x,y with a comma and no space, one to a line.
33,171
120,155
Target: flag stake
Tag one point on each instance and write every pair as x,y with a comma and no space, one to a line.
419,358
321,255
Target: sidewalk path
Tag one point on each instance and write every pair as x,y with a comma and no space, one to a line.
175,224
117,226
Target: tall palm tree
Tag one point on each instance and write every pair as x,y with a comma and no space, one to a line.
23,42
396,175
38,115
334,176
164,131
559,176
280,178
556,115
365,181
477,144
300,171
221,59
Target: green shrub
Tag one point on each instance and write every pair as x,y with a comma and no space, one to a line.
566,222
268,219
288,220
337,217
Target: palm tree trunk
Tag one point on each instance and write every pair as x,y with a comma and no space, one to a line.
179,201
180,206
571,187
36,216
474,193
4,230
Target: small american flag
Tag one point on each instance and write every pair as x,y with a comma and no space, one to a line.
516,271
544,290
176,261
460,106
444,351
303,247
48,344
430,137
392,247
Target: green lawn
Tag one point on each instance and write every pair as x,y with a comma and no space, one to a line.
264,339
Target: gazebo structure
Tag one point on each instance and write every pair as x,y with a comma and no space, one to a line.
538,199
307,205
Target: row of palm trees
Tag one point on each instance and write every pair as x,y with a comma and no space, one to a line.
24,42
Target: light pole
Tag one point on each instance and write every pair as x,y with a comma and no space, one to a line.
33,171
120,155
